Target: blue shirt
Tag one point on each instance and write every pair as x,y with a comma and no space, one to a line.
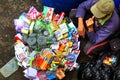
101,32
62,5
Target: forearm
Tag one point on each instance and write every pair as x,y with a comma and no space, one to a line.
81,28
80,24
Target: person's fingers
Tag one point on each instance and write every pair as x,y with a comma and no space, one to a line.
93,17
86,21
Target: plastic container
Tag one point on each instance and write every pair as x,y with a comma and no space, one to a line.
9,68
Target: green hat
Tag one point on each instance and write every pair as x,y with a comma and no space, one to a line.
102,8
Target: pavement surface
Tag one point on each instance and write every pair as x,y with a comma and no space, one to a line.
9,10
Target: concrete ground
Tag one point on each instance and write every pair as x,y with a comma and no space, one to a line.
9,10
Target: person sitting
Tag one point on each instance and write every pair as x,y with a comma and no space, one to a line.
102,25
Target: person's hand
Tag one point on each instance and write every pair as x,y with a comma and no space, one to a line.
90,23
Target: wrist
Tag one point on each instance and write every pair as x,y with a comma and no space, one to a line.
90,29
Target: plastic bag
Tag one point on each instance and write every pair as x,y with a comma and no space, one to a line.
95,69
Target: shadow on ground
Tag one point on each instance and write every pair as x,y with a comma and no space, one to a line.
9,10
